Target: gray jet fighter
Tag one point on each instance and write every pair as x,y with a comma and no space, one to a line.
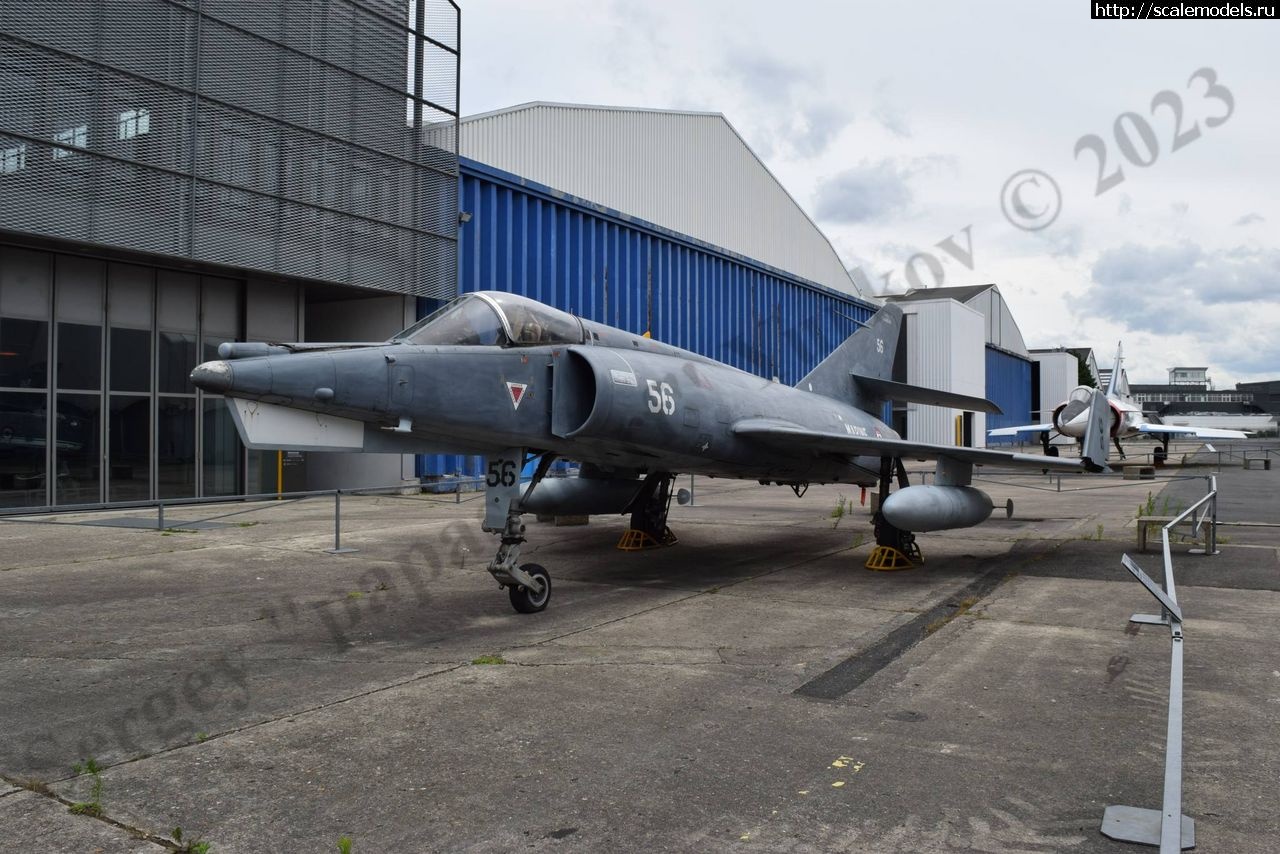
516,380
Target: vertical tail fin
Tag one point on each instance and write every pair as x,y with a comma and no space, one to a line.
869,352
1113,387
1098,432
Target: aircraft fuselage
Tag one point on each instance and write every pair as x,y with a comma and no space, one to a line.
647,408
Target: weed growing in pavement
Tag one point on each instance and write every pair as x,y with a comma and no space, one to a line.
194,846
93,806
489,659
841,508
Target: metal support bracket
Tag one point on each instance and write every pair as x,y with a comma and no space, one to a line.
1134,824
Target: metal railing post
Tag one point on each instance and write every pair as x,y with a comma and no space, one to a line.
1213,518
337,526
690,490
160,516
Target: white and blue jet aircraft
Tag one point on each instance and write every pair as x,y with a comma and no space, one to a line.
1071,417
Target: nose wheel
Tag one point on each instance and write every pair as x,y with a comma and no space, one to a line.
531,600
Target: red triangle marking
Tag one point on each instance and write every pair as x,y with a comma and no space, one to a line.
517,393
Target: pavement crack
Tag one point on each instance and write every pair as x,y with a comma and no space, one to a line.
38,788
285,716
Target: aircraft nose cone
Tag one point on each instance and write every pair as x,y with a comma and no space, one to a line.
212,376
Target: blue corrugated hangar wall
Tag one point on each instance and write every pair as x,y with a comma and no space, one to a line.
529,239
1009,387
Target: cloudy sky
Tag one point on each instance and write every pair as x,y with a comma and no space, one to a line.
898,125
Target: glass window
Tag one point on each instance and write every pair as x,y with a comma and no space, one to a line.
77,461
24,353
13,158
24,283
130,359
79,289
220,317
178,301
177,358
467,320
77,137
79,356
176,448
129,295
23,423
221,449
530,322
134,122
129,444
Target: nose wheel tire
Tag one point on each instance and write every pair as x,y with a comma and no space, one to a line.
528,601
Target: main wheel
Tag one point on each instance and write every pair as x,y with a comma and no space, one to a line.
528,601
1052,452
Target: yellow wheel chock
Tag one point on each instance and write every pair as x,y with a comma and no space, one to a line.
638,541
889,559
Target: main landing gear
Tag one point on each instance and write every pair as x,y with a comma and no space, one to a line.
649,515
895,548
1049,450
528,585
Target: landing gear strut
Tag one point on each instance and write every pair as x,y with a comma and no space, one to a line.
1049,450
529,586
649,515
895,548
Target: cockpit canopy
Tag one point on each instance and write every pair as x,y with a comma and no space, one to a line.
493,318
1081,394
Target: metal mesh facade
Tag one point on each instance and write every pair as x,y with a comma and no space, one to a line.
279,137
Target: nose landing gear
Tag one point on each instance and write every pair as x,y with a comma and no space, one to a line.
528,586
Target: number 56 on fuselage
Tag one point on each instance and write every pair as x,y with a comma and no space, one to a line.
508,377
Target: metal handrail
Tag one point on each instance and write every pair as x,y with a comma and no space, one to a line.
1132,824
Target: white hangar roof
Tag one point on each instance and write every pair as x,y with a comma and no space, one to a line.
1002,329
687,171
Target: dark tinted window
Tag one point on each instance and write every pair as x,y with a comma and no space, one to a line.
24,352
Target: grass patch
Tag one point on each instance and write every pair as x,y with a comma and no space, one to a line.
489,659
344,845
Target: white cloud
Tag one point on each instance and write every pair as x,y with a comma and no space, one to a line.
869,191
1220,305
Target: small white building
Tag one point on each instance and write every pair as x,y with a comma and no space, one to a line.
944,346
